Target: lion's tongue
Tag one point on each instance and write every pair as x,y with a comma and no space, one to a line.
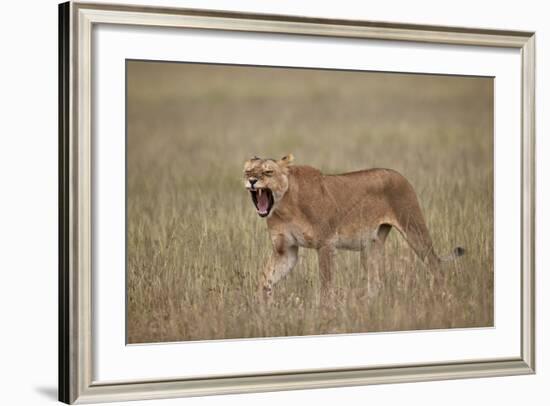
263,202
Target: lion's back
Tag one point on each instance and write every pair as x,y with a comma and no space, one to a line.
312,181
373,180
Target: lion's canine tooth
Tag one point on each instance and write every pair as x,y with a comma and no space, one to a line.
260,192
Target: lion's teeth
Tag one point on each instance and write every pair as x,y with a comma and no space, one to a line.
260,192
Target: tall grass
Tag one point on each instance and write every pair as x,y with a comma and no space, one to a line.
196,247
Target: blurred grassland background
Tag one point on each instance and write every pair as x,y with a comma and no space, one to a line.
196,246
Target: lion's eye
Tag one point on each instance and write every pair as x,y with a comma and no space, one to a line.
268,173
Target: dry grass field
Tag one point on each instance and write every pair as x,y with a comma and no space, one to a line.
196,246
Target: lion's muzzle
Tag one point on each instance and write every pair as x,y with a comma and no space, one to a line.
262,199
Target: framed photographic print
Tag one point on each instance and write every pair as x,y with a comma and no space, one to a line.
263,202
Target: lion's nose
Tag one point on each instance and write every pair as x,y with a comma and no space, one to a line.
252,181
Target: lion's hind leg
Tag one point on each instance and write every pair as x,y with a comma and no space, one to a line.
410,223
326,255
414,230
373,258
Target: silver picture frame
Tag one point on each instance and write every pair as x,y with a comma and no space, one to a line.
76,21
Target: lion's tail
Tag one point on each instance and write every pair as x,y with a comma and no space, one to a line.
456,253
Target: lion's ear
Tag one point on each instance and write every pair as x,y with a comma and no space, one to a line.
286,160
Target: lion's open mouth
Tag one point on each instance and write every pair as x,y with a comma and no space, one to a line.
263,200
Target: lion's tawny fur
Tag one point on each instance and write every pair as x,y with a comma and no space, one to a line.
353,211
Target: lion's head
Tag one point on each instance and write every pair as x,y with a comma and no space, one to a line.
267,182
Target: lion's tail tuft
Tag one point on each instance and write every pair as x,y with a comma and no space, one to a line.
457,253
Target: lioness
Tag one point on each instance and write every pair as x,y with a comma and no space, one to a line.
352,211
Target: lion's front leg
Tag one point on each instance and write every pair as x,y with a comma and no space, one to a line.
280,263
